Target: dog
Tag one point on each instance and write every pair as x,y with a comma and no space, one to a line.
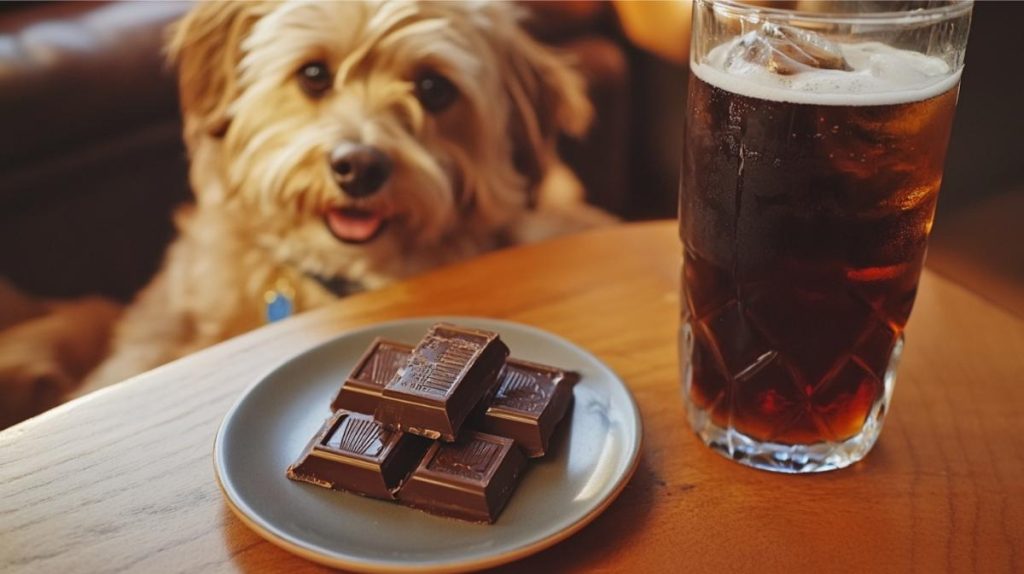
339,146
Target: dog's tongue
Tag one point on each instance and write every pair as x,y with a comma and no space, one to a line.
355,225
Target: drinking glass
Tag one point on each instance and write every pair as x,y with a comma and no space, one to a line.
813,156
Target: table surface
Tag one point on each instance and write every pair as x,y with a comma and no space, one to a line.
122,480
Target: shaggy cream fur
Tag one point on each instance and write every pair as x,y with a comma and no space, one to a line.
481,174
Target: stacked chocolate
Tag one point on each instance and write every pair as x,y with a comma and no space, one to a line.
444,426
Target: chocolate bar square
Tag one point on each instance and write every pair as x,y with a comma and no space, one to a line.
356,453
531,400
449,372
471,479
364,385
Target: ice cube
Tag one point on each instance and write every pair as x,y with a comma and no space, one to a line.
785,51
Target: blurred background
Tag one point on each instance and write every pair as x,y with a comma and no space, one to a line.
92,164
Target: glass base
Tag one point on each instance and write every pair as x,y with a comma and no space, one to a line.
789,458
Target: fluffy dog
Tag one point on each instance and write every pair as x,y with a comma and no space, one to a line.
338,146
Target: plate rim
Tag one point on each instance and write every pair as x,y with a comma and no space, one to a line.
268,533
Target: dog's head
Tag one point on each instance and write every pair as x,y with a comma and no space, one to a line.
375,128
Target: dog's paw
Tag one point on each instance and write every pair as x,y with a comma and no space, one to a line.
28,388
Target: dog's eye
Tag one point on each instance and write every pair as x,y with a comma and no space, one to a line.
315,79
435,92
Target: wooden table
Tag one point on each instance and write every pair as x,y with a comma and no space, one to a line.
122,480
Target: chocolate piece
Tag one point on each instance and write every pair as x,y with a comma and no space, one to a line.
449,372
378,365
531,400
471,479
356,453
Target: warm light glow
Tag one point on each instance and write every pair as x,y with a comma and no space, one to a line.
659,27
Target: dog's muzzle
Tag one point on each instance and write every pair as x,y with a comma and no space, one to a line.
360,171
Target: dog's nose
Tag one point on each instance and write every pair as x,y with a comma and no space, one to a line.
360,170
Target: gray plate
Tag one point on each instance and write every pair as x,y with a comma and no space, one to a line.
592,458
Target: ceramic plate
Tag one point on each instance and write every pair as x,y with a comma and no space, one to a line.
592,457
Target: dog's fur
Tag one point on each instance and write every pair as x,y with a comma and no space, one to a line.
481,174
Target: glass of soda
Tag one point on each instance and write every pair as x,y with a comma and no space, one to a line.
814,150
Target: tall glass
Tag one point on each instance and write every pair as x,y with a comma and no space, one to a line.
814,151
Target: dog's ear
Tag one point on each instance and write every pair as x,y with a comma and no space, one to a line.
548,98
205,46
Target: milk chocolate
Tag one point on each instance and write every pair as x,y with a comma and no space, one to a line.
531,400
356,453
378,365
449,372
471,479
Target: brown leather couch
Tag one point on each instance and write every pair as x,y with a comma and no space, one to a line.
91,161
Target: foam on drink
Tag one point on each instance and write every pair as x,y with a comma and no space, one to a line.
880,75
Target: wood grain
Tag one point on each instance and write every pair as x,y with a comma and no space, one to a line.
122,480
